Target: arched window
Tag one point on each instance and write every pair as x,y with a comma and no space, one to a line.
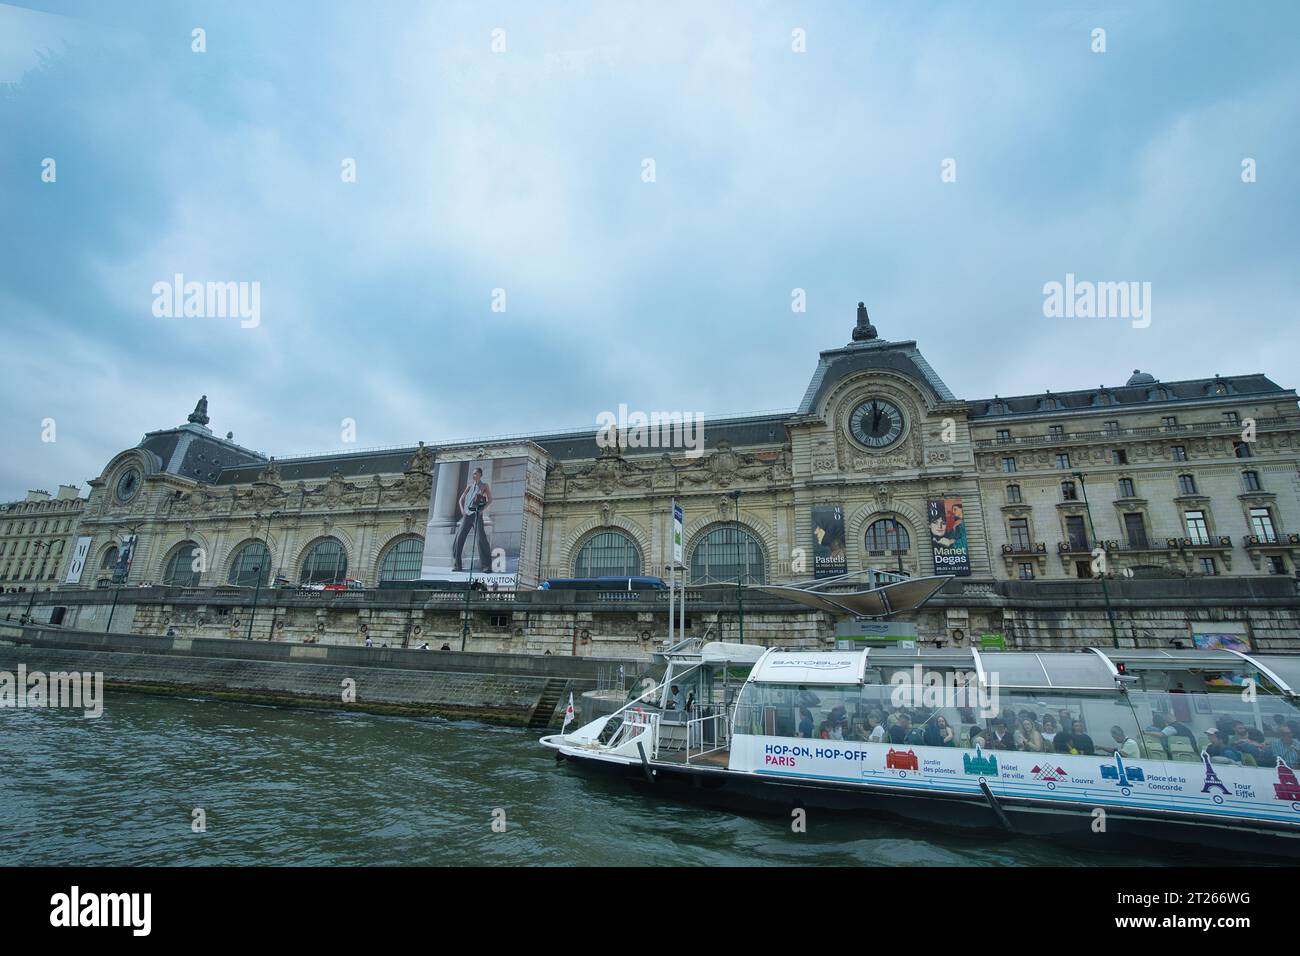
326,563
887,535
179,571
607,554
252,564
402,562
110,559
728,552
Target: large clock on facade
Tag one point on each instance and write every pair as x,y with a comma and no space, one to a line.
127,485
876,423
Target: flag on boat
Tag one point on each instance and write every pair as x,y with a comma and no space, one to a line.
568,713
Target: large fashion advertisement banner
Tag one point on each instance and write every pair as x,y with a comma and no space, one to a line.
948,536
475,526
830,556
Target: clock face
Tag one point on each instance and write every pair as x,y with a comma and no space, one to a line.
876,423
127,485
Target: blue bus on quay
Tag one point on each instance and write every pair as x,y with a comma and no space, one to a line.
634,583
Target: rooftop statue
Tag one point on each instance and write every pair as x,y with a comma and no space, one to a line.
200,414
864,331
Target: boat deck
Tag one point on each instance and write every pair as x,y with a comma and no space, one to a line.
717,758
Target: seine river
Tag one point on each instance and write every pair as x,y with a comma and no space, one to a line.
289,786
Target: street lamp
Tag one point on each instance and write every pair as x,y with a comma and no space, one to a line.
740,604
257,589
117,592
1092,530
48,546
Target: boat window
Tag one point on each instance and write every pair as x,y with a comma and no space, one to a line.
1085,670
1061,722
1015,670
1223,715
1286,668
947,713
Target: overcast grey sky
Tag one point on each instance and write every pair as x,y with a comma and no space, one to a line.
522,170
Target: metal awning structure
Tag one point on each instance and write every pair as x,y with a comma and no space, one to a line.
906,595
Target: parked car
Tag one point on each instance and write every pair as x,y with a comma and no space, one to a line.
347,584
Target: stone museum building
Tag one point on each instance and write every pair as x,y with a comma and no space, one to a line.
1184,494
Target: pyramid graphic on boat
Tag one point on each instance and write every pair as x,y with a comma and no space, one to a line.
1048,773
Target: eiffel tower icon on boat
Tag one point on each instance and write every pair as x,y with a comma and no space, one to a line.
1212,780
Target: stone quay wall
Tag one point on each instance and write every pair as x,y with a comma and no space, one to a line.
1058,615
526,690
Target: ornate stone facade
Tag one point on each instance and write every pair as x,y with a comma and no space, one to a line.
1184,478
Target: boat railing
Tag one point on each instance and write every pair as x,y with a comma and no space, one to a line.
706,735
638,723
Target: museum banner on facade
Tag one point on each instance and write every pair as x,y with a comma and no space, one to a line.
948,536
830,556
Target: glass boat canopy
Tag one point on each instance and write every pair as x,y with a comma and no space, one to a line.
1093,669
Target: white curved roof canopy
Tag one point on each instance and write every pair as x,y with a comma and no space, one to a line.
906,595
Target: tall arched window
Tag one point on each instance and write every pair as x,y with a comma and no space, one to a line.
179,571
110,559
887,535
325,563
608,554
725,553
252,564
402,562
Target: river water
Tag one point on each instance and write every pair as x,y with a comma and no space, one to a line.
292,786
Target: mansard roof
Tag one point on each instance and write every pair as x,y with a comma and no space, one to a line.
835,365
388,461
1139,393
192,451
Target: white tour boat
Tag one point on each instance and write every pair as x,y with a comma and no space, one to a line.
1195,746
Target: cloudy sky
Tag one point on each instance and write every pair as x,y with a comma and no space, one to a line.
524,170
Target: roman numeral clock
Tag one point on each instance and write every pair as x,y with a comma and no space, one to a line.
876,423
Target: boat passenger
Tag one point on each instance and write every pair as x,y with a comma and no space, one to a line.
899,733
1124,745
824,731
1064,720
1284,746
839,716
939,734
876,725
1080,742
1219,747
674,698
1249,742
1049,728
870,729
805,722
1239,740
1029,738
977,738
1171,727
1002,738
1063,742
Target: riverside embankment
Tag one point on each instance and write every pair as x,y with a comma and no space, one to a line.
513,689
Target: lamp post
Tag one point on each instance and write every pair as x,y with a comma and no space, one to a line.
117,592
1092,530
48,546
740,571
257,588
